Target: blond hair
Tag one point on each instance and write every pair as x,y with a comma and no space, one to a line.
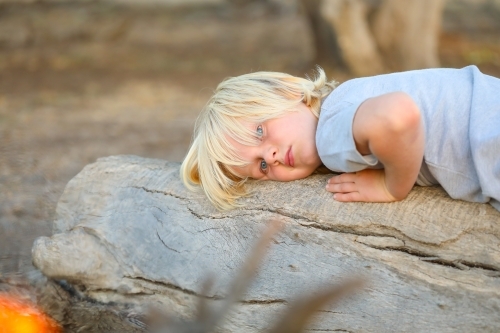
250,98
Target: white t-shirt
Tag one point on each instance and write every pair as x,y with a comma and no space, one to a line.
461,115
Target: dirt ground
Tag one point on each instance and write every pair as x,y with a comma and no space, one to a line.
66,102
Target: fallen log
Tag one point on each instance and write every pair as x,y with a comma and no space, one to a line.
128,232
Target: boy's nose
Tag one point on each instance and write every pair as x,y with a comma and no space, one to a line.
271,155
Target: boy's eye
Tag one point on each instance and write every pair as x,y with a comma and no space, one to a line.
263,166
260,131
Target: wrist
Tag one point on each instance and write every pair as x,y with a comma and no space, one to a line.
399,187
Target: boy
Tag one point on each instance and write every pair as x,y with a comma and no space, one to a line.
386,133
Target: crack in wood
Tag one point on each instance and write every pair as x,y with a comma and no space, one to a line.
158,192
198,216
171,286
161,240
329,311
193,293
264,302
457,264
397,234
355,232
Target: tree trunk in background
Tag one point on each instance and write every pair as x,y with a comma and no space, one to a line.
407,33
328,54
348,18
376,36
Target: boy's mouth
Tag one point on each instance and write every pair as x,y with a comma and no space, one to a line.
289,157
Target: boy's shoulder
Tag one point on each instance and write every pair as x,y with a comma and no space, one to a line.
417,83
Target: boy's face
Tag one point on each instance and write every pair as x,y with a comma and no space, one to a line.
287,150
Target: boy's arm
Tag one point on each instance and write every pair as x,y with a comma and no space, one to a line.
390,127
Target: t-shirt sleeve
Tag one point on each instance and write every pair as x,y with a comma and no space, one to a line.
335,140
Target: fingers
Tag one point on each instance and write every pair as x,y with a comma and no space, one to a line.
341,187
343,178
343,183
344,187
347,197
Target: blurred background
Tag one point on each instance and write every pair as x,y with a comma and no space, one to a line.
82,79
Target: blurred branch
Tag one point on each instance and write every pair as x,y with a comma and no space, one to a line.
208,318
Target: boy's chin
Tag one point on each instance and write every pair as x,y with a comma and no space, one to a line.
301,175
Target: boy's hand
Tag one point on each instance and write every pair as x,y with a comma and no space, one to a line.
367,185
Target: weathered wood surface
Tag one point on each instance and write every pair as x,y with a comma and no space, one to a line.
128,231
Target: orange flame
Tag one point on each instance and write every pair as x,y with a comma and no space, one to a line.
17,316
